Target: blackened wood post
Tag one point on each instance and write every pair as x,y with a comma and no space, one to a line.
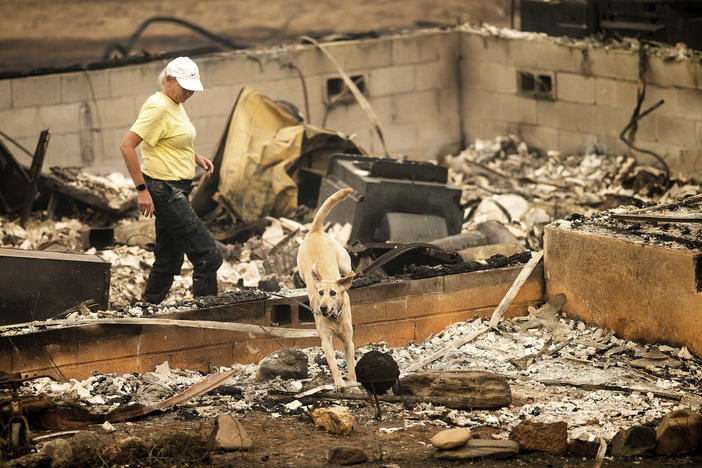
34,171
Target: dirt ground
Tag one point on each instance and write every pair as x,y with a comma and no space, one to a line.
59,33
178,438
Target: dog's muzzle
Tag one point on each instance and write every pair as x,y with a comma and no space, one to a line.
324,311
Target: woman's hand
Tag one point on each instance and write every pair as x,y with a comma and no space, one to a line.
204,163
146,204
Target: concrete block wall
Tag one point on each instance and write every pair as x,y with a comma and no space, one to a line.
594,94
411,82
433,92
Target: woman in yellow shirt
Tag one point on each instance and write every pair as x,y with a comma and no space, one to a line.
164,180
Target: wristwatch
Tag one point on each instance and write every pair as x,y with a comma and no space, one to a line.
141,187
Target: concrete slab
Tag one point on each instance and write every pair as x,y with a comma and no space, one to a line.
641,291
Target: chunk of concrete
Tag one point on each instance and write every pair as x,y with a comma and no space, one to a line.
541,437
633,441
335,419
229,434
679,433
451,438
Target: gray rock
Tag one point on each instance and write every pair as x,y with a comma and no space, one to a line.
60,452
347,455
286,363
634,441
480,448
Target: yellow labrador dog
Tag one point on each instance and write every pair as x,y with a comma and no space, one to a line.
325,267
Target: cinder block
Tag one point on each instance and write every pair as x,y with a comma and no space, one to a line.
110,140
574,117
689,103
424,47
400,135
498,77
478,104
482,47
23,122
117,112
616,93
670,98
542,138
679,73
361,54
392,333
449,107
676,131
209,131
213,101
63,150
436,75
36,91
575,88
545,54
133,80
652,295
517,109
5,94
613,120
691,162
417,106
611,63
391,80
424,304
61,118
470,73
85,86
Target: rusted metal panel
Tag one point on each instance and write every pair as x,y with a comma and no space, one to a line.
37,285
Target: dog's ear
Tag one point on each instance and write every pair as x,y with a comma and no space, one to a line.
315,275
345,282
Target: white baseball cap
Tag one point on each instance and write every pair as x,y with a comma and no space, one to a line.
185,71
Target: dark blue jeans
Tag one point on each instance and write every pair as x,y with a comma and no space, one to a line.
179,231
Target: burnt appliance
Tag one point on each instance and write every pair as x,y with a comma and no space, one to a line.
393,200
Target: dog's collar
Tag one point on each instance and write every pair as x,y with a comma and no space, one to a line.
333,316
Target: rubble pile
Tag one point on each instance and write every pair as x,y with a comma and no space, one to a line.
595,383
506,181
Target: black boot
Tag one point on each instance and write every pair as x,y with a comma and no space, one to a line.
204,285
157,287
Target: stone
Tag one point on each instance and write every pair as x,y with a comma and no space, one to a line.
541,437
633,441
347,456
679,433
335,419
286,364
450,438
480,448
229,434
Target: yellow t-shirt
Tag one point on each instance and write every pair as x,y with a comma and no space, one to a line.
168,135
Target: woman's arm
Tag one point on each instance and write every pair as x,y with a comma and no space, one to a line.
131,160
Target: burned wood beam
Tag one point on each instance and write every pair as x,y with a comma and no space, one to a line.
34,172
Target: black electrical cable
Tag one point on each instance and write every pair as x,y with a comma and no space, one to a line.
124,49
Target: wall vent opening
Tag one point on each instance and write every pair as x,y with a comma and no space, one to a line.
281,315
698,272
535,85
304,315
338,92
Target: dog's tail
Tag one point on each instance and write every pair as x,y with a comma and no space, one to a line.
327,206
